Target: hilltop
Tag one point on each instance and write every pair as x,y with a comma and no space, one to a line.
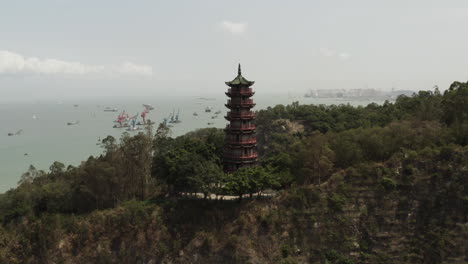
375,184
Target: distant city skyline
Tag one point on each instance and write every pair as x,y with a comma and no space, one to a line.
63,49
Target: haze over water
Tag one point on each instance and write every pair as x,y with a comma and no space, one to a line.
48,138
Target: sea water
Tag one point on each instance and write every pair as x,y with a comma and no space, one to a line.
46,137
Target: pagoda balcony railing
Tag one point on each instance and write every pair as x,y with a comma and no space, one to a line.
241,91
246,102
243,141
246,127
249,114
241,157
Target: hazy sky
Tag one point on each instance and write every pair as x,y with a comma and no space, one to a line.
83,48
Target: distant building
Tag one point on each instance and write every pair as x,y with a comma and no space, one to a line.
356,93
240,149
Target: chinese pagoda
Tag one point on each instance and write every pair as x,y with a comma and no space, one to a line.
241,142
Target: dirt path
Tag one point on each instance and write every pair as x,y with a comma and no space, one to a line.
226,197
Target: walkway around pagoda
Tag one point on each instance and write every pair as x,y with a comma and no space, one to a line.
218,197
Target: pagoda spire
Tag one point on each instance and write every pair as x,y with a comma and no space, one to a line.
239,72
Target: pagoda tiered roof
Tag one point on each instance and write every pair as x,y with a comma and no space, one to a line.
239,80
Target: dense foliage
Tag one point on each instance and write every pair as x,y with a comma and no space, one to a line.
308,143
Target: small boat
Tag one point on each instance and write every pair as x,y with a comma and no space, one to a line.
16,133
108,109
210,123
148,122
207,109
218,112
121,125
195,114
75,105
133,123
175,118
171,118
148,107
214,117
73,123
133,128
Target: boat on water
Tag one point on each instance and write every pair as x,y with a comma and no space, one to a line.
214,117
73,123
108,109
218,112
122,120
171,118
208,109
121,125
175,118
195,114
16,133
133,126
148,122
148,107
75,105
210,123
143,115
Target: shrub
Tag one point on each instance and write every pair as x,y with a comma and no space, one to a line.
336,202
388,183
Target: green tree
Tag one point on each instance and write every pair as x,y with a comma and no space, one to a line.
455,110
314,158
206,178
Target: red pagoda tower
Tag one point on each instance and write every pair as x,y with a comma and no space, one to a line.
241,142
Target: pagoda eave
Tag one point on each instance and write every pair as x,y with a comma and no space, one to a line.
238,118
239,83
240,146
240,132
239,106
248,94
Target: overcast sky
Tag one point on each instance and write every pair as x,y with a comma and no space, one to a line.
85,48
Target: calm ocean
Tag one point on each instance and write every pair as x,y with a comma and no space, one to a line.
46,137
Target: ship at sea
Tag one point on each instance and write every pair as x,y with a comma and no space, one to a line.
175,118
108,109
